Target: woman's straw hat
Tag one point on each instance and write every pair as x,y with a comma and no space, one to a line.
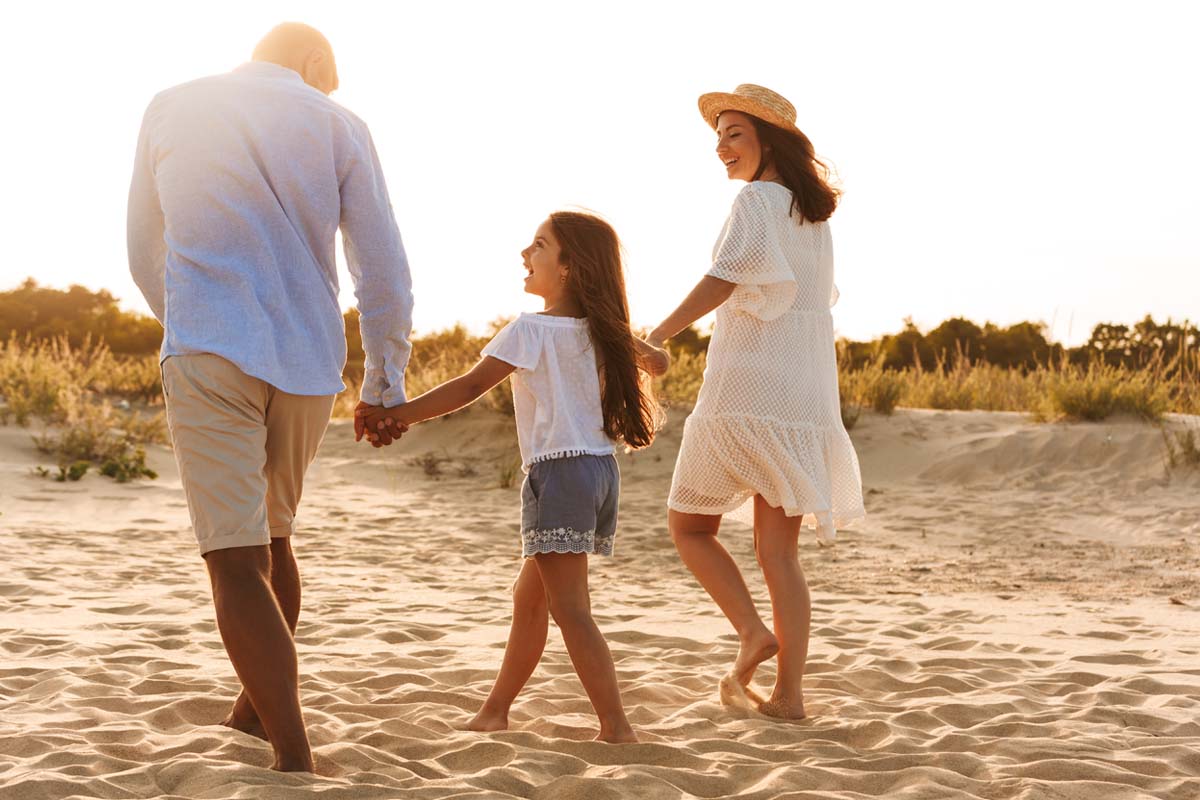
757,101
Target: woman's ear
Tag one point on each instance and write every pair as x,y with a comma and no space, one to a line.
563,272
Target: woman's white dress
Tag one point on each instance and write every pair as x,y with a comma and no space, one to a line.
767,420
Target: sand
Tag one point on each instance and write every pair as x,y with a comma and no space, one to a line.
1019,617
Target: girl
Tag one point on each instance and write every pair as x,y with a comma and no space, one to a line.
577,391
766,435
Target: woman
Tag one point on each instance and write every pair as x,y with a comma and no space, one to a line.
765,442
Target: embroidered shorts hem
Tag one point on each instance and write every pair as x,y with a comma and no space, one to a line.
569,505
565,540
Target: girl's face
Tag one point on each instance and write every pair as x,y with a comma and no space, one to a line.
547,277
738,146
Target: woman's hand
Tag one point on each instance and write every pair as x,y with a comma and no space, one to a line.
653,358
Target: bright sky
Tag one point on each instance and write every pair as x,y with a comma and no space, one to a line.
1001,161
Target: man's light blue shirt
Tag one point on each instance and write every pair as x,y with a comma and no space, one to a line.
240,184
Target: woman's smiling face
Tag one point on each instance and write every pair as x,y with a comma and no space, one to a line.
738,146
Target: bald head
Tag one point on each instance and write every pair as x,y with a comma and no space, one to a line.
302,48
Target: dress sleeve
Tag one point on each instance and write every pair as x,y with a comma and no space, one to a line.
518,343
748,254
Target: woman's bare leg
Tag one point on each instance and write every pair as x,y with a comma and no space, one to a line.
565,577
695,537
775,541
526,641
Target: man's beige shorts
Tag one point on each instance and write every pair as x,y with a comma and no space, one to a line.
242,447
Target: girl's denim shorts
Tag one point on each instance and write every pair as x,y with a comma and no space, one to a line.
569,505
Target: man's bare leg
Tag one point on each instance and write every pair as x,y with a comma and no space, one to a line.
285,583
260,646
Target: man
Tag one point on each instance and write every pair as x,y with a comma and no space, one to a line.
239,186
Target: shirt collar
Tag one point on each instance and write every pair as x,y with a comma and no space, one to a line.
267,69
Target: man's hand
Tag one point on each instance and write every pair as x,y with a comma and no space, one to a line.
378,424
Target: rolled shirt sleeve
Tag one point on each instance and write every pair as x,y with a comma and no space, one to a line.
382,281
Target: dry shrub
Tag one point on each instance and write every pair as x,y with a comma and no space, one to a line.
69,389
91,431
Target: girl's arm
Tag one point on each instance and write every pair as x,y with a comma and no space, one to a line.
709,293
450,396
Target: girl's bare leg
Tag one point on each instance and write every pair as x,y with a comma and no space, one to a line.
775,541
695,537
565,577
526,641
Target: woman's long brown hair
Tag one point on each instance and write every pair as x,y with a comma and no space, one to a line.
813,196
592,253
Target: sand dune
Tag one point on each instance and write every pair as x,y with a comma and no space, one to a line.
1000,627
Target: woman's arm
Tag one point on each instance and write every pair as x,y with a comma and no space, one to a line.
450,396
654,360
709,293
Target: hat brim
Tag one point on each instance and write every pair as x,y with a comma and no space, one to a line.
714,103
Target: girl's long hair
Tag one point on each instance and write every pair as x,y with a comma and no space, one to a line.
592,253
814,197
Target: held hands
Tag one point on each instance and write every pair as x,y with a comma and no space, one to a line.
381,426
653,357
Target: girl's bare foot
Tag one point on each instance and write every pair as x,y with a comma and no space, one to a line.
754,649
782,708
488,720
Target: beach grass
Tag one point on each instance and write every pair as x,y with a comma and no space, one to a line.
101,408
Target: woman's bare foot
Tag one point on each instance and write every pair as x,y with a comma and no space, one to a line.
753,650
735,695
782,708
488,720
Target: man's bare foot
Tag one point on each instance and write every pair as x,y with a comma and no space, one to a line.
293,764
487,721
782,708
243,718
754,650
619,736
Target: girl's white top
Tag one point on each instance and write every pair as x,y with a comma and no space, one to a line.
556,387
768,420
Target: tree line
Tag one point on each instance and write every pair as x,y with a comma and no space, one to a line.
39,312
